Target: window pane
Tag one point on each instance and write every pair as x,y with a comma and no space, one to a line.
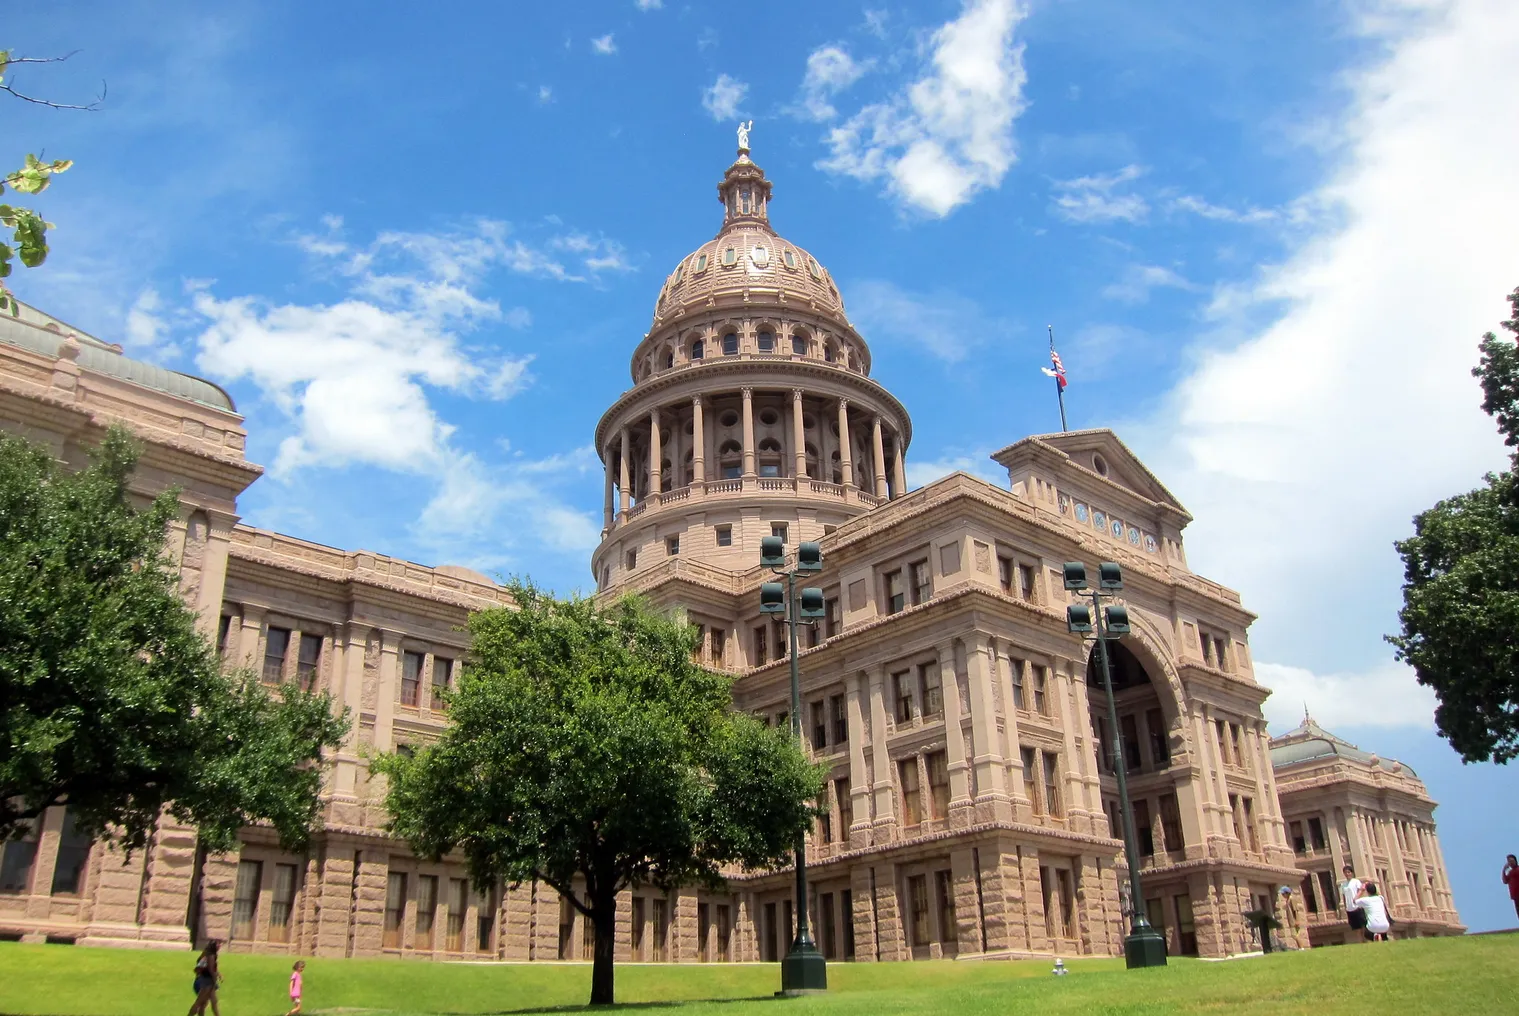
395,909
427,909
458,897
411,677
16,858
309,660
282,902
245,898
442,679
73,855
276,645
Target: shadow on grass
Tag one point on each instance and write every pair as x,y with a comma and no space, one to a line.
629,1005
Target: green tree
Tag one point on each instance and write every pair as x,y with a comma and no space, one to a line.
1460,615
111,699
28,229
587,751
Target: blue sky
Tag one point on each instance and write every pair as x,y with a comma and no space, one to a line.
419,250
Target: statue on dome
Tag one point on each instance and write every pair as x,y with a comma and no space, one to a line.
743,135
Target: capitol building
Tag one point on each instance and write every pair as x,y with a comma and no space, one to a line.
970,809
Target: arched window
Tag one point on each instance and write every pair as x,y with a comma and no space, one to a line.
799,344
771,457
767,341
836,469
666,476
730,460
830,351
698,349
745,201
669,358
812,459
687,471
730,344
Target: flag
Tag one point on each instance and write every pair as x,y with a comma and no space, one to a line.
1059,372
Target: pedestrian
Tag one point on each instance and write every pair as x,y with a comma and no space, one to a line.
1511,879
1371,903
295,987
208,977
1350,890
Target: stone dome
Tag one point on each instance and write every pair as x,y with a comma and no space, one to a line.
747,261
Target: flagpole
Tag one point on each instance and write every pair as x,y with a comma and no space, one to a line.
1059,388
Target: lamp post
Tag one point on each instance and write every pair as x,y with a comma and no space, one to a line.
804,969
1143,946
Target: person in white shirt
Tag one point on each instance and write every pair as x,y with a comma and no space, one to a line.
1375,908
1350,891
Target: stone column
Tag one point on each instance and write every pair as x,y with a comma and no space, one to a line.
1360,853
1072,787
213,571
656,457
698,443
845,462
748,394
624,497
899,467
992,801
253,625
859,783
606,497
880,456
390,680
954,738
798,438
884,823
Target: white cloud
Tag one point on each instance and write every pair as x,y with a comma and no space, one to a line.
722,99
1219,213
1137,281
545,94
943,324
146,328
1303,445
604,45
948,135
830,70
648,5
1093,198
920,473
1385,696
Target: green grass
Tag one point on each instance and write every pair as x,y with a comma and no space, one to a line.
1451,977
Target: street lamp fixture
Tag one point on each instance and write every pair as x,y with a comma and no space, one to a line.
1144,946
803,970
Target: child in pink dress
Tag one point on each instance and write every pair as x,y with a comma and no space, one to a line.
295,987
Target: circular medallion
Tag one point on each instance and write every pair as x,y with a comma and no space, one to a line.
1065,504
1150,543
1117,528
1081,512
1100,520
1133,536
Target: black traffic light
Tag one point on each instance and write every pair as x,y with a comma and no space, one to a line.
772,598
1075,575
772,552
812,603
1116,619
1078,618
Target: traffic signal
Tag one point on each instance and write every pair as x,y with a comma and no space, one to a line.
1078,618
1075,575
772,598
1116,619
809,557
1111,576
772,552
812,603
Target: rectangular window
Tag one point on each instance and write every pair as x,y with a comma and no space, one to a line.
922,585
672,546
224,635
411,678
767,935
1144,832
1255,840
1234,812
73,856
1239,753
587,938
276,645
1026,583
823,829
485,919
778,530
1131,750
1065,881
846,919
840,716
1170,823
631,559
308,660
1041,699
1155,910
1030,760
724,536
395,909
1005,574
1016,666
832,620
16,860
1221,653
1295,834
1223,743
427,910
458,902
931,682
566,928
245,898
761,648
282,902
1316,834
1186,929
1160,741
894,597
902,691
638,927
825,927
1104,745
782,720
944,889
1051,784
442,680
938,783
724,931
1329,892
917,896
661,929
912,813
703,932
814,636
1310,897
819,726
846,807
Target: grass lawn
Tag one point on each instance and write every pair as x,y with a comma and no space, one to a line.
1448,976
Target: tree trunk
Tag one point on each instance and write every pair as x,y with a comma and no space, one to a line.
604,918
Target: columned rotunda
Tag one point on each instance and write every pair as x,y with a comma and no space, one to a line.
971,804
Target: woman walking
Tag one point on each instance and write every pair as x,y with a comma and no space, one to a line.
1378,924
207,978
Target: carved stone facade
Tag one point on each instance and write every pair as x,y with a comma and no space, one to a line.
971,801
